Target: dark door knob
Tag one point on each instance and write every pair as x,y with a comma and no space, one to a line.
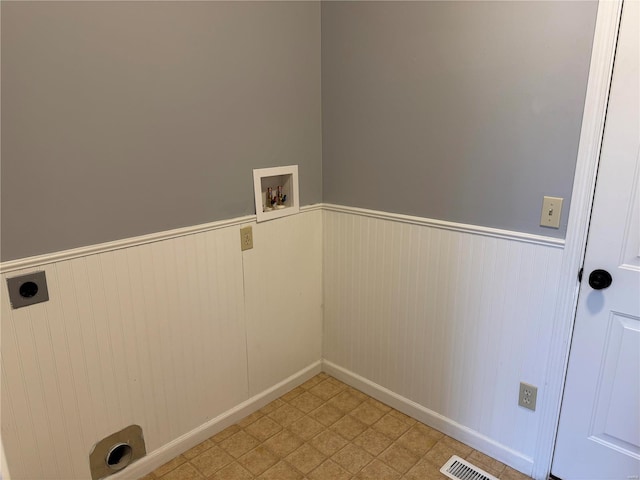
600,279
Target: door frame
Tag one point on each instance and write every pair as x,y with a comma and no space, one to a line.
591,134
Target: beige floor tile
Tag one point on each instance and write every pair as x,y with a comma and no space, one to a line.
372,441
246,421
328,442
399,458
326,414
270,407
352,458
281,471
329,470
424,470
306,428
510,474
440,453
226,433
263,428
186,471
211,460
305,458
461,449
170,465
401,416
430,432
486,463
444,449
286,415
290,395
348,427
367,413
233,471
306,402
344,401
258,460
391,426
377,470
325,390
357,393
337,382
379,405
419,440
283,443
239,444
198,449
312,382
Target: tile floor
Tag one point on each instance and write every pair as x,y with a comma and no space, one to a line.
325,430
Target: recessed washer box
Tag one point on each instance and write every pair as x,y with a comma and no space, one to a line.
281,183
28,289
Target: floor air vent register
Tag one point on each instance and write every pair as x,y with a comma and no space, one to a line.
459,469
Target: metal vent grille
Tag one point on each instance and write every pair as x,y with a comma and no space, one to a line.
459,469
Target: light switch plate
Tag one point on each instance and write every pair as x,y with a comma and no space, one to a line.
551,210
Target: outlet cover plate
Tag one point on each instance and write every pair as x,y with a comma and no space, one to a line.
528,396
246,238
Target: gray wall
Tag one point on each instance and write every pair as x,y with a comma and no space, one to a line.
461,111
121,118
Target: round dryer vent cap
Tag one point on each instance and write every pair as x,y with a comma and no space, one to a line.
116,452
119,456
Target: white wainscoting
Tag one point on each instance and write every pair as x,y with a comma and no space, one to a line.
183,334
155,332
442,320
283,288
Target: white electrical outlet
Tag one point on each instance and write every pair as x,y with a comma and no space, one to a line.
246,238
528,396
551,210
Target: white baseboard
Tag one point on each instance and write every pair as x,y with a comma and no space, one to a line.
445,425
461,433
181,444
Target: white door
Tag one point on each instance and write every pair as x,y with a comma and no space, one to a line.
599,431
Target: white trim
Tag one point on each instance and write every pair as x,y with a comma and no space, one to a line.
311,208
120,244
429,417
4,469
47,258
458,227
593,120
199,434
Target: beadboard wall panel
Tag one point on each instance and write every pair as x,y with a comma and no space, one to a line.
448,319
171,334
153,334
283,289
